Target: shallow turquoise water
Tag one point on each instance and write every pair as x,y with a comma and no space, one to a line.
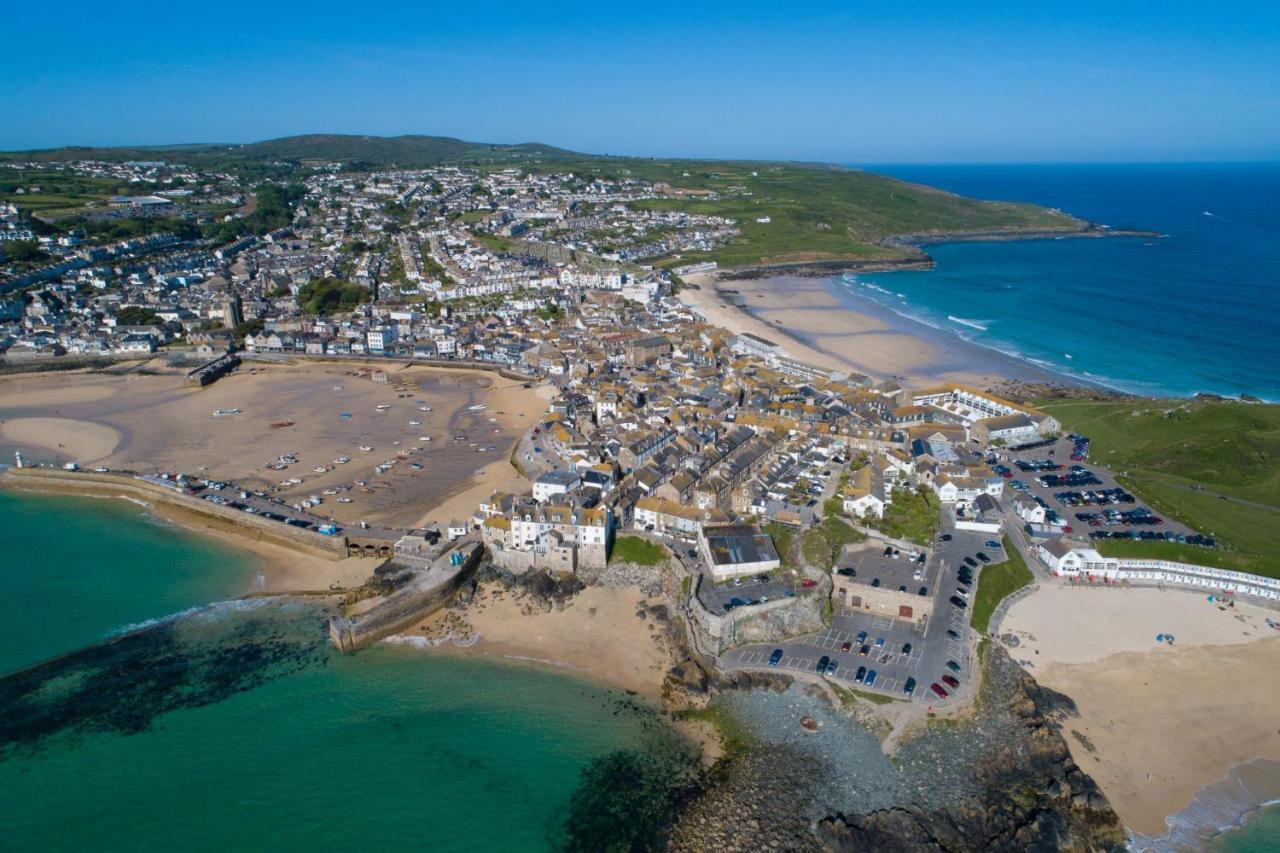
75,569
1261,834
390,749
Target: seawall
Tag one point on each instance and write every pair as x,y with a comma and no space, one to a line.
223,518
429,591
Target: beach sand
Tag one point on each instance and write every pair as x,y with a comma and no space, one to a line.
597,634
812,324
1156,723
85,441
150,421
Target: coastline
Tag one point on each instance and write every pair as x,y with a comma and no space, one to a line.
1131,698
813,325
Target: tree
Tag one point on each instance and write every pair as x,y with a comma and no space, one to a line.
136,315
326,295
24,252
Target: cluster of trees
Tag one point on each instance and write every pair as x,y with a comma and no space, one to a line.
136,315
128,228
327,295
23,252
274,210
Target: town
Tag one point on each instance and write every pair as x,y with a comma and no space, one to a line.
820,521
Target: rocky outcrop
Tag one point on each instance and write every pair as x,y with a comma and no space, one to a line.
1002,780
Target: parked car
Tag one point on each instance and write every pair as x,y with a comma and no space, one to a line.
991,543
822,664
775,658
862,637
938,690
831,668
909,687
871,678
864,651
906,648
808,583
846,647
958,601
953,666
860,675
950,681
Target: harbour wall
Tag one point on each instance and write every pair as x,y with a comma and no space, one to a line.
429,591
222,518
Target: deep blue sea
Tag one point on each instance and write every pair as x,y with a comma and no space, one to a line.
1195,310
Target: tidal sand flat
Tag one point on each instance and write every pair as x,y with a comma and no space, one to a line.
1157,723
319,413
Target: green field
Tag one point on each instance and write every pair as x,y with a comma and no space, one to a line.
996,582
642,552
1213,465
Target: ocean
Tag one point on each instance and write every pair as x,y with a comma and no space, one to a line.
1192,311
235,726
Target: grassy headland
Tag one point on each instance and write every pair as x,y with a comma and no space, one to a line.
1213,465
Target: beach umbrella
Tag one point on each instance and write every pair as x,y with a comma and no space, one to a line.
1159,638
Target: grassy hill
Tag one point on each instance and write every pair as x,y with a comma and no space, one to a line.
374,151
816,212
1214,465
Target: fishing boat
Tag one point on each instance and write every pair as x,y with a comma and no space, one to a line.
478,407
424,408
366,448
342,460
424,438
222,413
382,406
344,500
415,422
281,424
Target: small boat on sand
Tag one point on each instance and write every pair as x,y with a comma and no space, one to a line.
281,424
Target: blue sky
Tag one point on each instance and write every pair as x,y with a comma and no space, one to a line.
851,82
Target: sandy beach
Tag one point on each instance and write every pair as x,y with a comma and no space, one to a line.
812,324
1157,723
597,634
147,421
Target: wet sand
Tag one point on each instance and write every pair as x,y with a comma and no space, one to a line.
153,423
1157,723
813,324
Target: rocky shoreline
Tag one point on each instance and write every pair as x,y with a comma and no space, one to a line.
1002,779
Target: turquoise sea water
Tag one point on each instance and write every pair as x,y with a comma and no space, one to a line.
75,569
236,727
1194,310
1261,834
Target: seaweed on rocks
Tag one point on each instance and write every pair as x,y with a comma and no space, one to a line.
193,659
628,799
